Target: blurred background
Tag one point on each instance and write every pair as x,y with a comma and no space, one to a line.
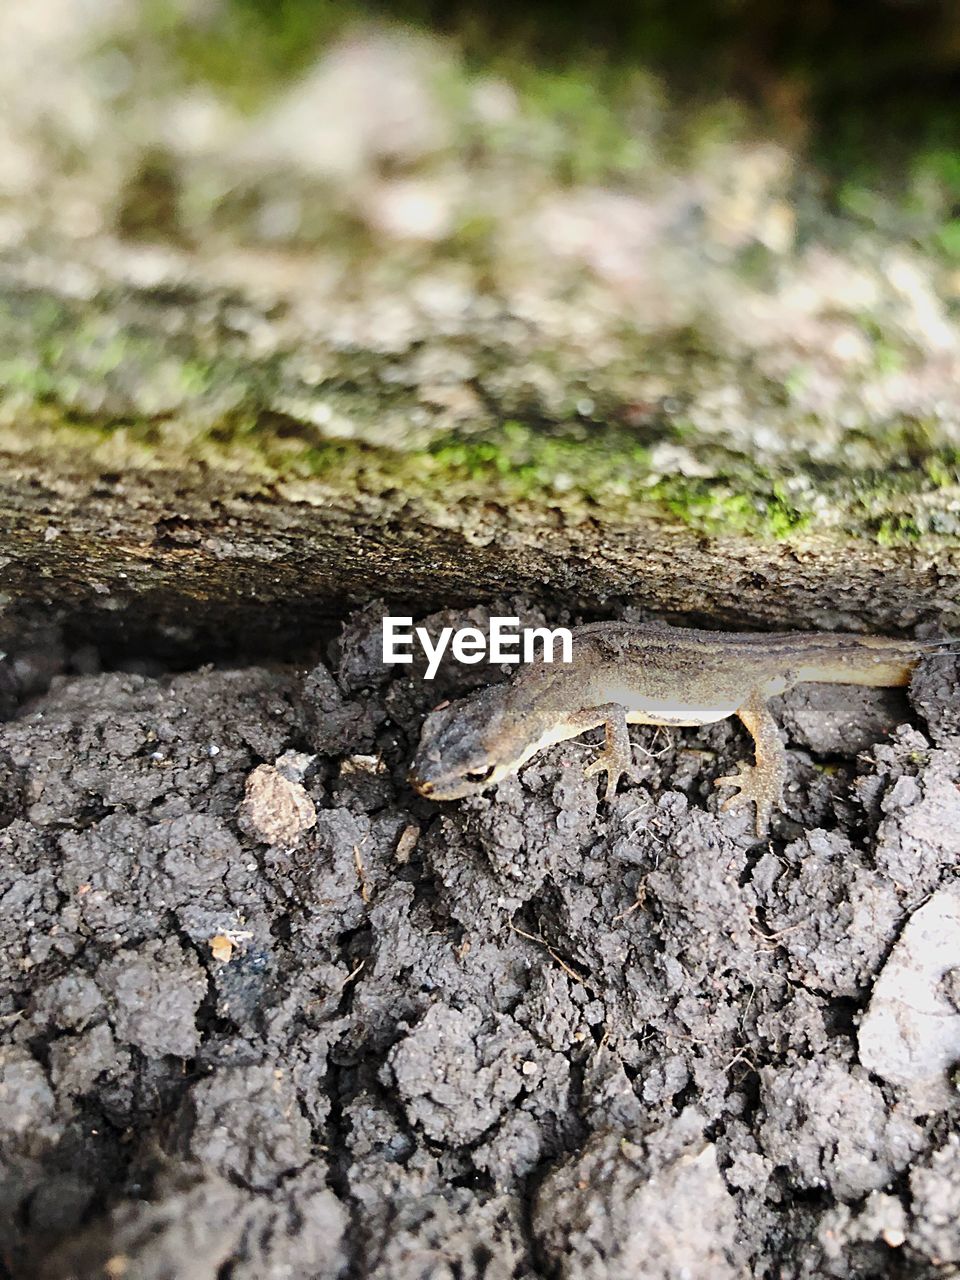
702,259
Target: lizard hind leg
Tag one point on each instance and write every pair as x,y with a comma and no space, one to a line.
616,758
762,782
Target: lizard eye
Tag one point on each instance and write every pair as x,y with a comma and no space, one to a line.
482,776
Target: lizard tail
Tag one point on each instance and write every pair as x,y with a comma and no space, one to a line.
876,661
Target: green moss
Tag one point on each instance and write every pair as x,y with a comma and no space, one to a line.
113,381
948,238
897,530
18,374
872,94
246,48
580,122
528,461
943,468
521,465
577,120
585,473
720,508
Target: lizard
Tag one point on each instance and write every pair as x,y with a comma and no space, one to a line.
630,673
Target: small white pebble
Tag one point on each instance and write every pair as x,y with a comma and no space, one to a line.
362,764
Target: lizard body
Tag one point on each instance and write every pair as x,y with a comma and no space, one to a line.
626,673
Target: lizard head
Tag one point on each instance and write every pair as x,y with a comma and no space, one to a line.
469,745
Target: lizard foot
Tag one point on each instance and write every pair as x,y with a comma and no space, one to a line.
614,764
763,789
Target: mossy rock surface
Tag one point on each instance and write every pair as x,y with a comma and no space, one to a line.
265,354
163,482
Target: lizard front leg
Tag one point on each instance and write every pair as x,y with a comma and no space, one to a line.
763,781
616,758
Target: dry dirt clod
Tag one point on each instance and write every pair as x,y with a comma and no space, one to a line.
274,809
910,1033
407,843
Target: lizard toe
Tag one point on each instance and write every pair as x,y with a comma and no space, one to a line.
734,802
613,767
753,787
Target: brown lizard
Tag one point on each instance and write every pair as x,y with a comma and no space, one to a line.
626,673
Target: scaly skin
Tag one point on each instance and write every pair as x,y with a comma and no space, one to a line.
623,673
